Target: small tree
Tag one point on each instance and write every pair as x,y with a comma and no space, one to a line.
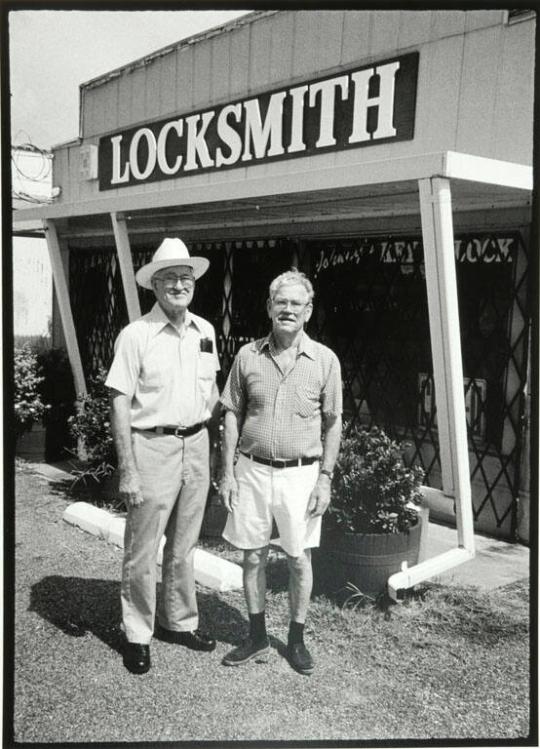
28,406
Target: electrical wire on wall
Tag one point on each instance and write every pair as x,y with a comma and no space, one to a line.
24,177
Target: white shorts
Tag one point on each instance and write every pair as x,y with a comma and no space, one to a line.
266,493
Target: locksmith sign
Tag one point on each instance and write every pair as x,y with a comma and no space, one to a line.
363,107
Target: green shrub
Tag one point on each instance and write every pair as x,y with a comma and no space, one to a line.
58,390
372,487
91,426
29,407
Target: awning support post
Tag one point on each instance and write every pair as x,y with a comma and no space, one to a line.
64,305
125,260
438,241
438,234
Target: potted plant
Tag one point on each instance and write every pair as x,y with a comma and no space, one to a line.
371,526
58,390
90,427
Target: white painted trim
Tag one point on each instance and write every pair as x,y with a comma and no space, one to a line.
410,576
64,305
438,236
435,322
258,180
210,570
125,261
251,182
487,171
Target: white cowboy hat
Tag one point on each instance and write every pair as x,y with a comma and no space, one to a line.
169,253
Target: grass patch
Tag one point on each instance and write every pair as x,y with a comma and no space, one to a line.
446,663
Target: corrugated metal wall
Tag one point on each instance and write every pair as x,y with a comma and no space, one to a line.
475,87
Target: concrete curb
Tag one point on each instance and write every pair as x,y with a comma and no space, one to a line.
210,570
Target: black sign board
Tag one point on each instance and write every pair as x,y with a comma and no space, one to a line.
358,108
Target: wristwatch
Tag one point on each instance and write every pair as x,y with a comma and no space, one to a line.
328,473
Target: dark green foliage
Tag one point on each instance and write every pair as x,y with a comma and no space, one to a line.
29,407
58,390
92,427
372,487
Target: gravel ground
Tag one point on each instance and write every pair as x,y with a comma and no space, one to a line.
447,664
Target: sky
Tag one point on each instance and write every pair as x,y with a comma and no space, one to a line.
53,52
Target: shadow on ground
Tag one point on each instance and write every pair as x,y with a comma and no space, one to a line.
91,492
78,605
277,574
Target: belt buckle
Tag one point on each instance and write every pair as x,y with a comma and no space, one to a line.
177,431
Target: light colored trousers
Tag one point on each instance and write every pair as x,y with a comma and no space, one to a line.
175,478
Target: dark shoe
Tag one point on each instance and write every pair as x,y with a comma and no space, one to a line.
136,657
195,640
300,658
246,651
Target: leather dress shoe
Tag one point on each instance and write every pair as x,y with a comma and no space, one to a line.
300,658
246,651
195,640
136,657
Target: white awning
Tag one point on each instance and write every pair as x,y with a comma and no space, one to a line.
257,195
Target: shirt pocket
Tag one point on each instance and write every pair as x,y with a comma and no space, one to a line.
306,402
206,374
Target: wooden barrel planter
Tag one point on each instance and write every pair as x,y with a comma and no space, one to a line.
364,559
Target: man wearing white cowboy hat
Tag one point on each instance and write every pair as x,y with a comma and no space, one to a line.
163,393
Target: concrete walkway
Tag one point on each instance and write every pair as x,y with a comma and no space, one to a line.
496,563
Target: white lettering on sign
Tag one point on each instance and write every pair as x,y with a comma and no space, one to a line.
117,176
260,134
229,136
297,123
327,91
177,125
196,144
151,158
335,112
384,102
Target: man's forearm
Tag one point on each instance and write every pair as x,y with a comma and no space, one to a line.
230,441
332,439
121,430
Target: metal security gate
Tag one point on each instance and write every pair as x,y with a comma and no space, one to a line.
371,309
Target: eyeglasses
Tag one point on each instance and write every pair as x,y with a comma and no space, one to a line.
284,303
171,279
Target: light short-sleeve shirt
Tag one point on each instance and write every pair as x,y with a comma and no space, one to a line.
169,375
281,415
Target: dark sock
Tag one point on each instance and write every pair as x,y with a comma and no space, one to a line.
296,632
257,627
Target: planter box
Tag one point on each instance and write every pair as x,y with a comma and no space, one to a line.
31,444
364,559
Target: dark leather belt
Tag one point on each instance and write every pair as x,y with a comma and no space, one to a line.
177,431
281,463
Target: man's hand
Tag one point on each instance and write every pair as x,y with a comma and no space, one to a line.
129,489
228,491
320,496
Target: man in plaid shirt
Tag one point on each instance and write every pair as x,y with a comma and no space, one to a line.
283,403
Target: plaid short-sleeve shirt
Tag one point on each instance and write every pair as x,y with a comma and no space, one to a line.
281,414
